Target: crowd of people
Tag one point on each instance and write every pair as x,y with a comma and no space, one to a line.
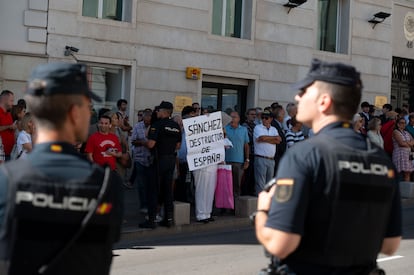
392,130
321,216
17,128
256,146
157,164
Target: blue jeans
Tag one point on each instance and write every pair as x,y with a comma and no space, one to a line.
263,172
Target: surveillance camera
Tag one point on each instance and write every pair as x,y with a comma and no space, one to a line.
71,48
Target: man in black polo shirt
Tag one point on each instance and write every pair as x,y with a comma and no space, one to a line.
164,139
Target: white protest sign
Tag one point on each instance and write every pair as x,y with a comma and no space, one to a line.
204,139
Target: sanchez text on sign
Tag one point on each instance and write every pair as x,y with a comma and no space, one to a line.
204,140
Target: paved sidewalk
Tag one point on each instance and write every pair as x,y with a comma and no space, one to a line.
132,217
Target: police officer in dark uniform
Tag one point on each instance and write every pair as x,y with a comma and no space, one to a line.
336,202
59,213
164,139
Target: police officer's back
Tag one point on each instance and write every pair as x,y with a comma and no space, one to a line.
164,138
336,203
59,213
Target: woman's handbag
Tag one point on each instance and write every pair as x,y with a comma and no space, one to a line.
125,160
223,195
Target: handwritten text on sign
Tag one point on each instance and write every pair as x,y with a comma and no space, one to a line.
204,139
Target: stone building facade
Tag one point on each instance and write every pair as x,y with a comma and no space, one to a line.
239,53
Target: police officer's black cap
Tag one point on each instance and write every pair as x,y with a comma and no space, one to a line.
336,73
166,105
60,78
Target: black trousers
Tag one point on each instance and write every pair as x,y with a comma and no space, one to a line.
248,181
159,188
181,184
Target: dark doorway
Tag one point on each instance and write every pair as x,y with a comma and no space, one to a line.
224,97
402,85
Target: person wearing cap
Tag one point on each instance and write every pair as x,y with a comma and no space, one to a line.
59,213
335,203
164,139
265,138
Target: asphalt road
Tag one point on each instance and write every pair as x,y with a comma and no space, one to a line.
234,252
230,252
402,262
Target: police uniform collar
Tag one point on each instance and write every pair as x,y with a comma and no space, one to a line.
338,124
231,126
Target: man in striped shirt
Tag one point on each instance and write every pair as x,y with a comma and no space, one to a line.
294,134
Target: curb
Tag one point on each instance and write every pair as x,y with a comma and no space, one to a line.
134,233
220,223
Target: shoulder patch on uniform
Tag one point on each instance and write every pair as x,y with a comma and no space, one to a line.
284,190
391,173
56,148
104,208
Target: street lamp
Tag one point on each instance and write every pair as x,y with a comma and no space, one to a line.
291,4
379,17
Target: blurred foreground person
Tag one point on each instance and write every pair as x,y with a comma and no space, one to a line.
59,213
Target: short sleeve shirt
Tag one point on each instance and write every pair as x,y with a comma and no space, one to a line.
22,139
7,135
263,148
239,137
166,133
98,144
